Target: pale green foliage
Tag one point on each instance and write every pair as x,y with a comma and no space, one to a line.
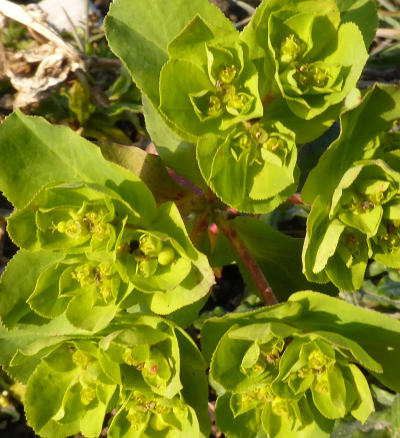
93,304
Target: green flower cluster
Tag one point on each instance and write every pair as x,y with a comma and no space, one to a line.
273,378
315,66
236,94
209,90
108,258
134,372
209,83
356,218
147,416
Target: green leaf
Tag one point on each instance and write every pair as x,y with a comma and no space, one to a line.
279,259
198,283
253,169
179,155
363,13
83,314
45,298
18,282
33,150
133,33
194,380
305,424
44,394
305,130
332,404
333,251
364,405
213,329
80,103
22,348
376,333
245,425
396,416
358,353
359,126
328,244
148,167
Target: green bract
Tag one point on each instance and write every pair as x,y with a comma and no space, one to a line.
361,196
84,391
293,383
306,65
90,292
287,370
74,218
354,216
362,211
252,167
148,356
114,254
138,369
333,251
209,83
148,415
315,66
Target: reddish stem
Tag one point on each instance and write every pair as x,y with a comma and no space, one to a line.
248,260
200,227
296,199
267,99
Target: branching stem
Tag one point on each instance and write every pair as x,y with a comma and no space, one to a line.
200,227
249,261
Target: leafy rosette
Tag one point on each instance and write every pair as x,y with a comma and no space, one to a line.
74,218
147,415
315,66
155,363
69,392
112,251
359,222
251,168
337,386
209,83
273,378
140,366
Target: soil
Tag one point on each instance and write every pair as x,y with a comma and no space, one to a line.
17,430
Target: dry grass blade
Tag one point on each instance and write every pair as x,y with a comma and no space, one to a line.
24,16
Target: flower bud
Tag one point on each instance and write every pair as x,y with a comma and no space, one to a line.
290,49
280,407
322,384
150,245
214,106
88,394
148,267
227,74
80,358
166,256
